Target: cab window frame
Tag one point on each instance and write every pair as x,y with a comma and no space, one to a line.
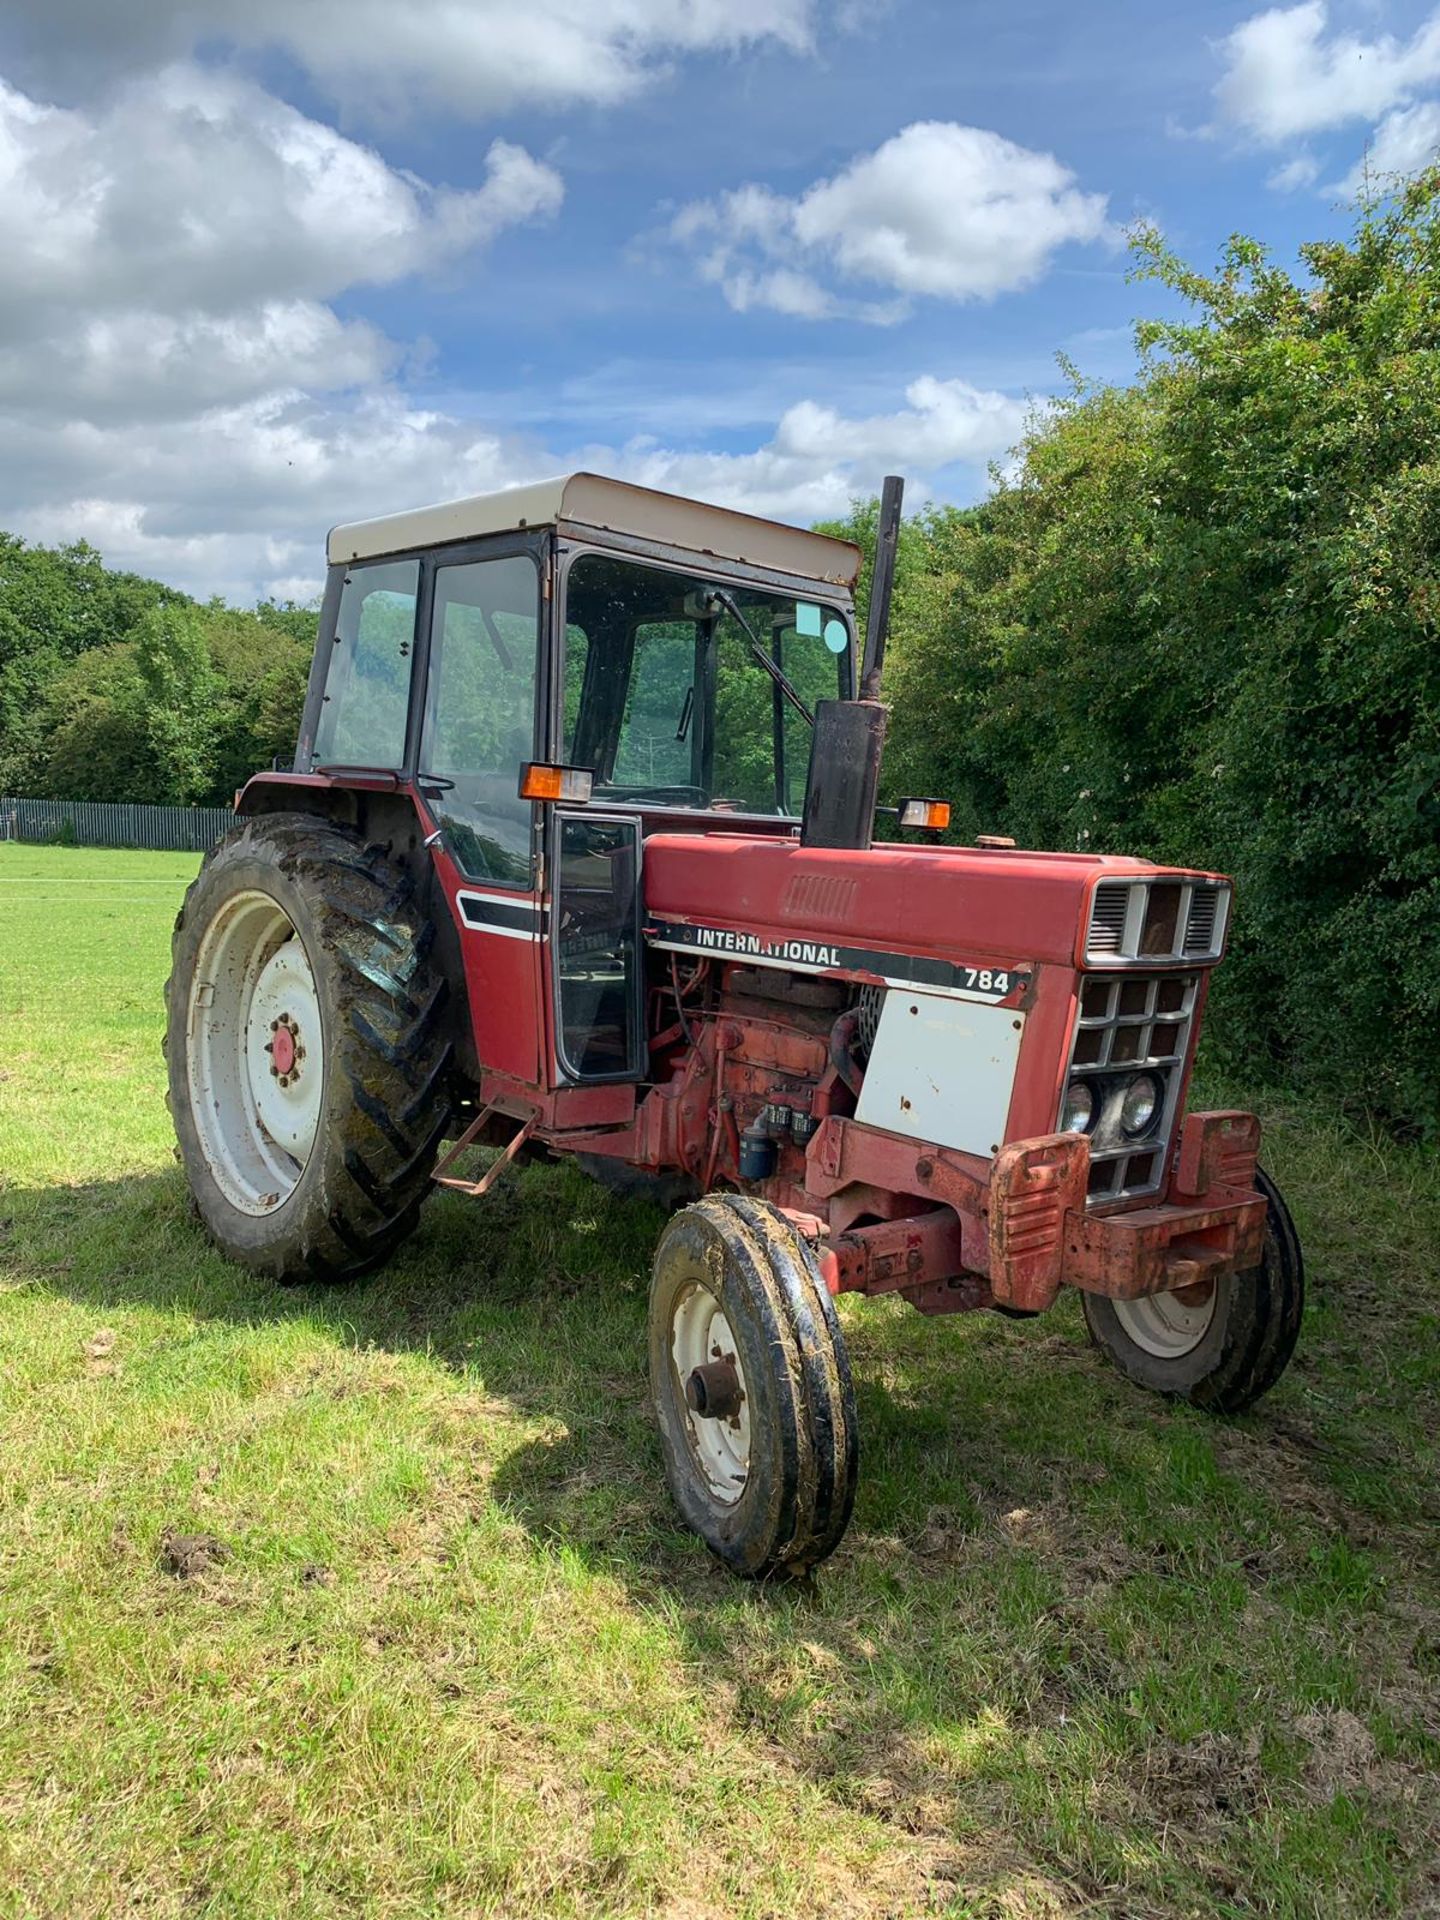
327,661
833,601
539,545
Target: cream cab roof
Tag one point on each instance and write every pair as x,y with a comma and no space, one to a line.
580,501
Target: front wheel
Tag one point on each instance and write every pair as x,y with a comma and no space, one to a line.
1219,1344
751,1388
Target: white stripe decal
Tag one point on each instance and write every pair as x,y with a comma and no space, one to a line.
503,933
525,900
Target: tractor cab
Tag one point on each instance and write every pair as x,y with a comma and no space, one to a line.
502,657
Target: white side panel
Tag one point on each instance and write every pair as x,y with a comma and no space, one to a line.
942,1070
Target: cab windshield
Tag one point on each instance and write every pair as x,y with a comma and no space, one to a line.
666,701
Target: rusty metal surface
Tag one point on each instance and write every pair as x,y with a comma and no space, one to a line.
891,1256
1216,1150
477,1189
1036,1188
1156,1249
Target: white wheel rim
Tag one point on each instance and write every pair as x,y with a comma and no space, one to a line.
1164,1324
700,1336
255,1090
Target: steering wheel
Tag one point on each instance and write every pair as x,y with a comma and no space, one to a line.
679,793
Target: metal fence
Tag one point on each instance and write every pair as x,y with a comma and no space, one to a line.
97,823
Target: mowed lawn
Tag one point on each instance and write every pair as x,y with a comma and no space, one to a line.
1082,1653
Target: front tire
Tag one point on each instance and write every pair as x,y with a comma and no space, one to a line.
751,1387
1220,1346
308,1062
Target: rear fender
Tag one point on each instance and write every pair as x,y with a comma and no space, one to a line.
383,811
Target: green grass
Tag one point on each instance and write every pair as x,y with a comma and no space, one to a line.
1083,1652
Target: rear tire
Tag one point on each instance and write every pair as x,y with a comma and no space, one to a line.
309,1066
768,1480
1221,1352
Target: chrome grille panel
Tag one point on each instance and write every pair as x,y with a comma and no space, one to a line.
1147,922
1127,1026
1107,918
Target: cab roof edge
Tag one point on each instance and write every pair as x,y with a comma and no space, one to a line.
618,507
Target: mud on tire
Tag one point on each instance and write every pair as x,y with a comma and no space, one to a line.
789,1509
382,1056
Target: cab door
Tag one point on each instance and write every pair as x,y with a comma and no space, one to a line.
482,621
596,946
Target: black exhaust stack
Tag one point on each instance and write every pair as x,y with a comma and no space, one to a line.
849,735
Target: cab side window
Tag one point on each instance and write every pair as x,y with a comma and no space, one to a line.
480,712
367,683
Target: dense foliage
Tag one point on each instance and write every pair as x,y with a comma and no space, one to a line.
117,688
1198,622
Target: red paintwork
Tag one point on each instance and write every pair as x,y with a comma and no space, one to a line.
259,785
948,902
282,1050
946,1230
1216,1150
502,979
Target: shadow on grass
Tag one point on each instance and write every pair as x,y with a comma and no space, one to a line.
1054,1585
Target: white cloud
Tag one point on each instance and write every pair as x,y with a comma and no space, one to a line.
155,366
192,189
818,458
177,247
947,211
1285,77
174,382
1404,142
474,58
237,499
177,386
1302,171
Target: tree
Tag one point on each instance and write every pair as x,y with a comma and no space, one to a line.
182,697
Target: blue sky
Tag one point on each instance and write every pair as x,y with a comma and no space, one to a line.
278,264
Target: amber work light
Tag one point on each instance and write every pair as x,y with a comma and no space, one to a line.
541,782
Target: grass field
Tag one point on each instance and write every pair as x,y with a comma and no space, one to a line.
1082,1653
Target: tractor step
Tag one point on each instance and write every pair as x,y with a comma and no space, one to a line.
476,1189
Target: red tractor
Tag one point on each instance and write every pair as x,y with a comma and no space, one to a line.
577,857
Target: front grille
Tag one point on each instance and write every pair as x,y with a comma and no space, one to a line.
1128,1027
1140,922
1200,927
869,1007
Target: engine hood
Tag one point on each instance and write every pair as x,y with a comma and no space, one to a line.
1003,905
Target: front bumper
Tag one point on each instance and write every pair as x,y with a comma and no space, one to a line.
1043,1237
1013,1233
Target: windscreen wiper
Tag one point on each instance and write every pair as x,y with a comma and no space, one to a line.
775,671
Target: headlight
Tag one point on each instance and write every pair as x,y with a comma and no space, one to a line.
1079,1108
1141,1104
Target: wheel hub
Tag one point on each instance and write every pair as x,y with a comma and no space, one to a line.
254,1016
703,1351
714,1391
1170,1325
284,1048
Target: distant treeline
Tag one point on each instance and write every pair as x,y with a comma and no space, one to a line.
1200,621
113,687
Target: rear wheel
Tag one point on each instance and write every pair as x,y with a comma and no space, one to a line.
308,1064
751,1387
1219,1344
